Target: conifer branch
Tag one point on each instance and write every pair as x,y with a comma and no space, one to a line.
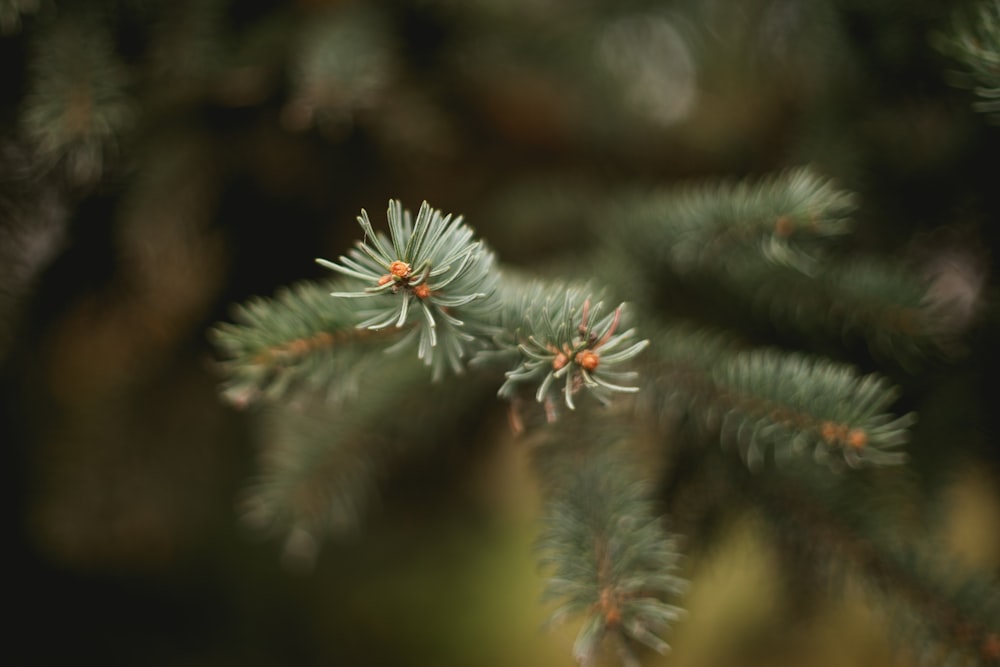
940,615
321,464
768,243
429,270
341,366
609,558
787,402
299,339
317,474
974,41
784,217
78,106
341,65
429,285
567,343
888,304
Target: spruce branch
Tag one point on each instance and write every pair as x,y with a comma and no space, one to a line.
317,473
409,289
342,64
300,339
787,402
939,613
767,242
548,77
431,266
974,41
78,106
321,465
887,303
784,217
567,342
609,558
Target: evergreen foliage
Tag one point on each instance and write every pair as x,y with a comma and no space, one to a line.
771,241
794,403
772,244
975,42
321,462
940,615
563,339
610,558
783,218
78,106
432,263
562,336
690,348
276,344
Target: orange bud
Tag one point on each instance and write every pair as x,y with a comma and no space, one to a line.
857,438
399,269
588,359
828,430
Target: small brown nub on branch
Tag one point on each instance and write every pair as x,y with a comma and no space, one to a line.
399,269
588,360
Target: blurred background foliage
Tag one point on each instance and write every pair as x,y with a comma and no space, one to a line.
162,160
